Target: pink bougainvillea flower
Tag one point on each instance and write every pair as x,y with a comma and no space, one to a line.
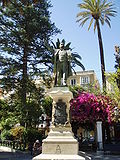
89,107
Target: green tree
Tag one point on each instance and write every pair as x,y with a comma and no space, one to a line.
7,119
114,94
33,109
6,2
3,109
47,106
97,11
117,65
25,27
11,112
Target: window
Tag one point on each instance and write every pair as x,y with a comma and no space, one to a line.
85,80
73,82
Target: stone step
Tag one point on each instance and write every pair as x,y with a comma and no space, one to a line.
58,157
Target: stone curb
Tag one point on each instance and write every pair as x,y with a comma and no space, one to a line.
6,149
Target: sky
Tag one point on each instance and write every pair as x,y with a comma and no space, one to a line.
84,42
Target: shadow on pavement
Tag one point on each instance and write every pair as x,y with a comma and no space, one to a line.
15,156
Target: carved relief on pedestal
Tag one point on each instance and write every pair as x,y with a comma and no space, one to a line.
60,115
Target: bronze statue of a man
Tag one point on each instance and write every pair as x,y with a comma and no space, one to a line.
62,66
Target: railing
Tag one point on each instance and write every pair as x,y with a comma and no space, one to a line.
17,145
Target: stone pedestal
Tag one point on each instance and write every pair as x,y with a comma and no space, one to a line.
60,143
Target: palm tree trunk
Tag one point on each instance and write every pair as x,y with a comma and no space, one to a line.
101,55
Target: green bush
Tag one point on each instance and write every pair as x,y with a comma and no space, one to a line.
6,135
18,133
32,135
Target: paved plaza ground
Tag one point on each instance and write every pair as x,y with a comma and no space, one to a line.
95,156
7,155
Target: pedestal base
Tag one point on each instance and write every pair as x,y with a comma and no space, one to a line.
58,157
60,142
59,146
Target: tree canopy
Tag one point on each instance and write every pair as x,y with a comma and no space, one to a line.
25,28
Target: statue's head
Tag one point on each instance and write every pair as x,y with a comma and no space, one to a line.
61,45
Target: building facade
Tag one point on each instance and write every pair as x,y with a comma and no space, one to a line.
82,78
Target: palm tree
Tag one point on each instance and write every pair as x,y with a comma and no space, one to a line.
97,11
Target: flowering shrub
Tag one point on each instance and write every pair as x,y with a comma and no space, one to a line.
18,132
87,107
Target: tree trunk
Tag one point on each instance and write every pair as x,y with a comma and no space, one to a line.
101,55
24,85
